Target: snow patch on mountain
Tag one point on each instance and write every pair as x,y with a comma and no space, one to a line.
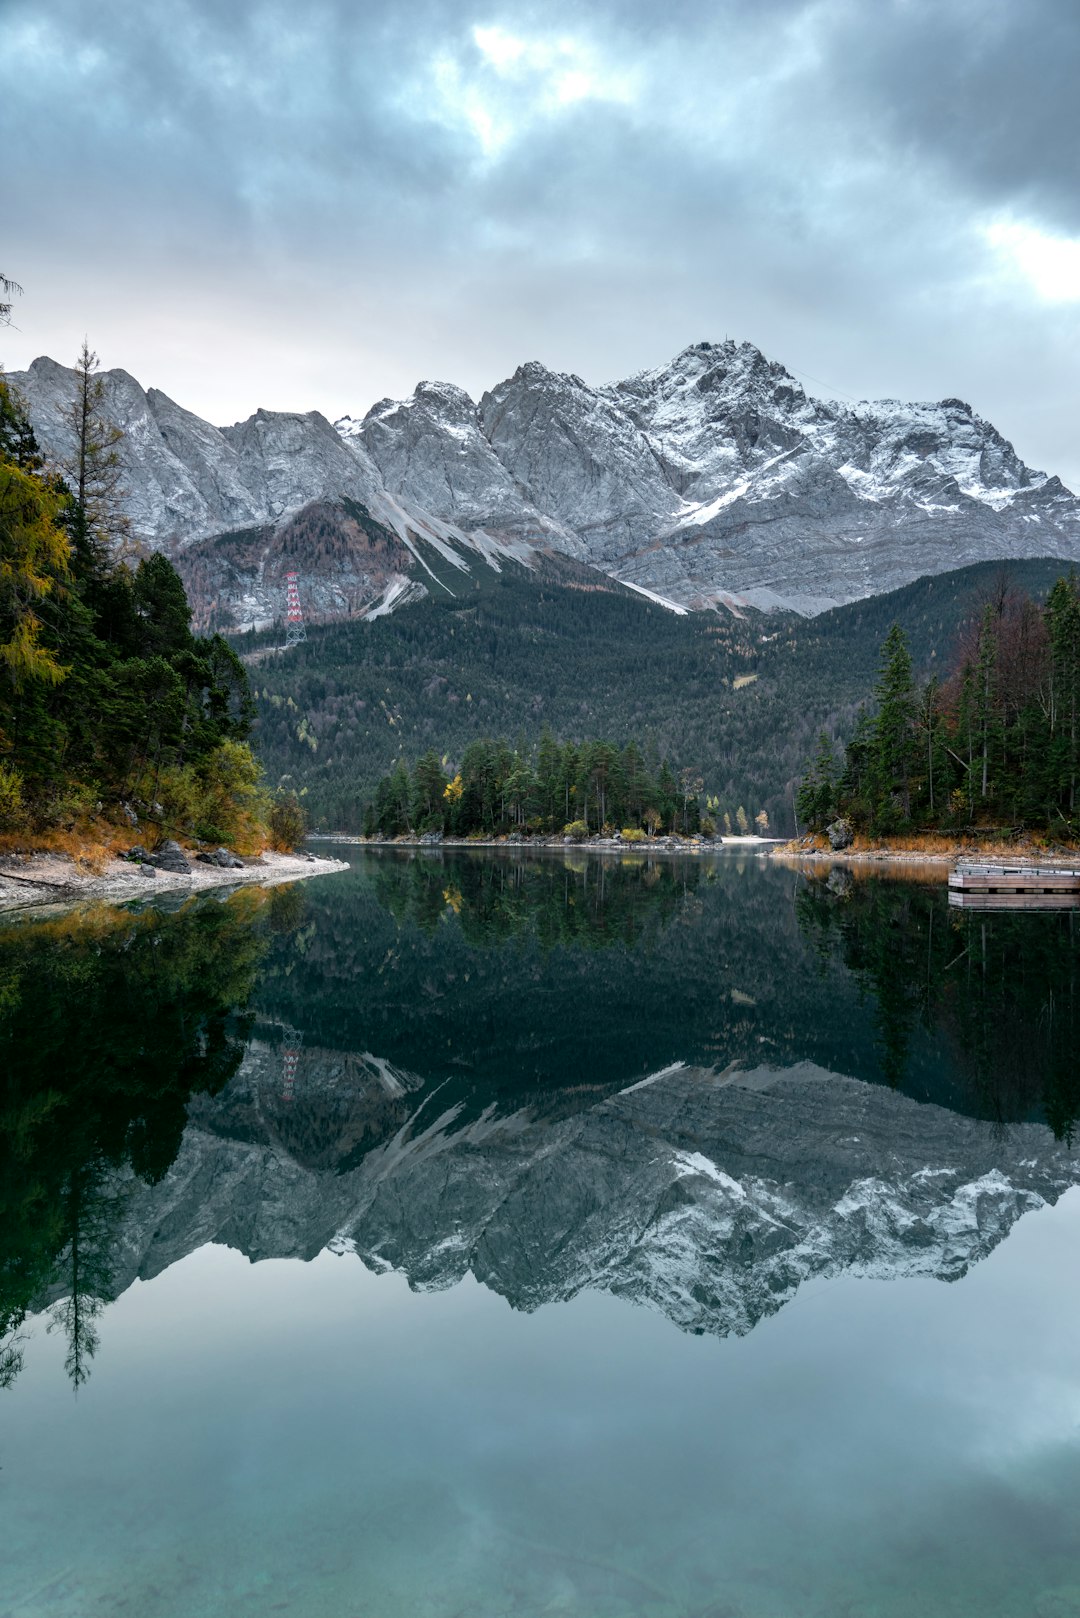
711,478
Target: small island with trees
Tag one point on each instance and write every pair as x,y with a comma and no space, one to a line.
562,791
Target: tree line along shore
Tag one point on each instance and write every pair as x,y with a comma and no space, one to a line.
572,790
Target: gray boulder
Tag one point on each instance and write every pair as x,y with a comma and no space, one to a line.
840,835
171,857
223,858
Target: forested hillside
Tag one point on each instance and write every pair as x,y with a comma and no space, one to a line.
107,699
992,741
740,701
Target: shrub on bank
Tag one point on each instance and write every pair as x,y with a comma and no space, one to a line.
12,803
288,823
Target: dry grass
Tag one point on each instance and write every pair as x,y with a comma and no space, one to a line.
936,845
91,844
90,848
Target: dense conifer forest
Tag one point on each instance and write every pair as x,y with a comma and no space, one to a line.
739,701
994,742
596,787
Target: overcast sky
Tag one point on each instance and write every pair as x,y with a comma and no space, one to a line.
316,205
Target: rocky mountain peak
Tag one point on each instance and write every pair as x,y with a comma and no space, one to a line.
712,477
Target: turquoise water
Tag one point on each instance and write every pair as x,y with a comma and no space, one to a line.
441,1246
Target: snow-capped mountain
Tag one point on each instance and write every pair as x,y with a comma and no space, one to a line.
718,476
713,478
240,506
709,1196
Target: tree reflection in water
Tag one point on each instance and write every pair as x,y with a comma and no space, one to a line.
109,1022
499,983
1000,989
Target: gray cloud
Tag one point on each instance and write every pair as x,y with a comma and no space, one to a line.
261,204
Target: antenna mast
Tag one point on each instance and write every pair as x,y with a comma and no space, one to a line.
295,630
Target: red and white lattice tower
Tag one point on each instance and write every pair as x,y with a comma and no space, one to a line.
294,617
290,1061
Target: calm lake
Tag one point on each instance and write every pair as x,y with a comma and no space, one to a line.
491,1234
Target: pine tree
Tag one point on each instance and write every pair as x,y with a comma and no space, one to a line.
893,734
428,793
7,287
548,782
933,748
1063,618
818,806
93,469
667,793
984,693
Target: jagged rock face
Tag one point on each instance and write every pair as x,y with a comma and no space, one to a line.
430,450
578,457
716,412
717,475
709,1197
713,477
185,479
352,566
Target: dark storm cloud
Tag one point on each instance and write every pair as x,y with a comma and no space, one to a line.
986,90
264,203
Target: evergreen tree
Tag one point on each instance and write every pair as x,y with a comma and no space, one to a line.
667,796
93,466
933,749
816,797
984,700
7,287
548,780
1063,619
892,753
428,793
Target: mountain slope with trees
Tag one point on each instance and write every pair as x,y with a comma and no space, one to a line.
739,700
994,744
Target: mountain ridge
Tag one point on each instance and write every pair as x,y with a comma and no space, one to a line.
714,480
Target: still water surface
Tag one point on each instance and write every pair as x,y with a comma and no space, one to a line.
484,1235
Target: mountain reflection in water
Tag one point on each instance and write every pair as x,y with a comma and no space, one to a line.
694,1083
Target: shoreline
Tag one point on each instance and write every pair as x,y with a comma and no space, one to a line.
50,880
943,860
551,845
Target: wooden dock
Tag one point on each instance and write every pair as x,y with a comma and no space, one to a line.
985,886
